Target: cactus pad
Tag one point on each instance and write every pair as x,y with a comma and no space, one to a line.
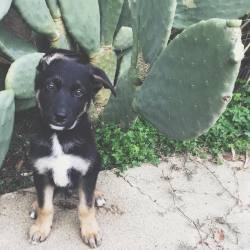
106,59
4,7
155,23
119,108
123,39
125,17
21,76
110,12
82,20
54,8
192,11
37,16
191,83
12,47
7,112
64,42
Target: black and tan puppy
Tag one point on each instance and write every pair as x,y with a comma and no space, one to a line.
63,152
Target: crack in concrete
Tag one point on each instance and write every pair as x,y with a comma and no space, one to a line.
145,194
198,227
238,203
223,219
192,222
203,235
220,183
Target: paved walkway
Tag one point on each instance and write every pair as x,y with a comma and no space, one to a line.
179,205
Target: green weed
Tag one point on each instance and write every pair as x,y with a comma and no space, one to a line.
122,149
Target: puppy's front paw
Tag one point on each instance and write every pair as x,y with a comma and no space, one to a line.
91,235
39,232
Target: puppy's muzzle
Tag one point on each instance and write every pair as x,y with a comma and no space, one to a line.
60,118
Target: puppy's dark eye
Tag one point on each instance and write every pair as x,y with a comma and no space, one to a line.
53,84
78,93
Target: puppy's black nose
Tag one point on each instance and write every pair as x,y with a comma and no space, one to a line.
60,117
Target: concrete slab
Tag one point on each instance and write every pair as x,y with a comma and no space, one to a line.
181,204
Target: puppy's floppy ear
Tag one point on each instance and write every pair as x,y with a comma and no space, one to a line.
101,80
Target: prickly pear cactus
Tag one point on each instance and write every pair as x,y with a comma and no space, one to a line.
106,60
7,111
187,89
5,6
123,39
119,110
110,11
38,17
13,47
125,18
192,11
82,20
159,25
54,8
21,76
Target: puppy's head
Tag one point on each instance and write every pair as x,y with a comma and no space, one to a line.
65,84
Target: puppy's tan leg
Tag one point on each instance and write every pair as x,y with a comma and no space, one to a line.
90,231
40,230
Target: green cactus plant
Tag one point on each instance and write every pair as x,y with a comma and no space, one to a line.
142,100
119,110
5,6
64,40
7,111
110,11
37,16
82,20
125,18
144,51
20,78
191,88
13,47
123,39
159,25
192,11
181,88
54,9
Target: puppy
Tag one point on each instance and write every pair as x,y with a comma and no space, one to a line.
63,152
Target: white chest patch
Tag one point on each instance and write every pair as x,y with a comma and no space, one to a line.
60,163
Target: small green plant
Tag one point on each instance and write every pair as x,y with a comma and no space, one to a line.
232,131
123,149
143,143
